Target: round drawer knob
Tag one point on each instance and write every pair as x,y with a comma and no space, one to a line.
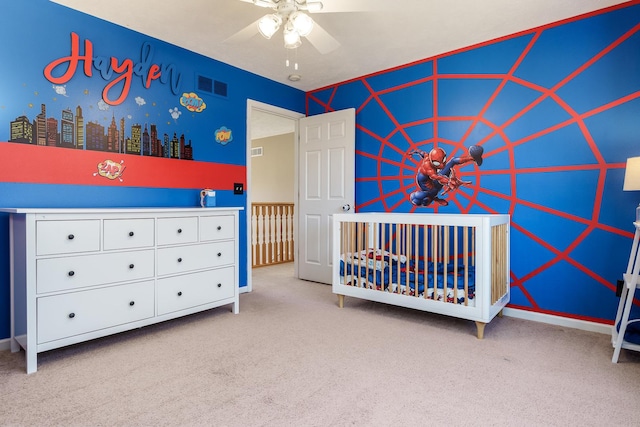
72,315
219,253
219,228
71,273
179,230
71,237
131,234
179,259
219,285
180,293
132,303
131,266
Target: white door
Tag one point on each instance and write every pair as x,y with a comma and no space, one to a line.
326,161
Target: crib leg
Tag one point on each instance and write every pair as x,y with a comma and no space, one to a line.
500,313
480,326
341,301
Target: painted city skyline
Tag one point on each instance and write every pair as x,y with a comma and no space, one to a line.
71,132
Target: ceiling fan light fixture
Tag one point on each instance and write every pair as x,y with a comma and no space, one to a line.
268,25
291,38
302,23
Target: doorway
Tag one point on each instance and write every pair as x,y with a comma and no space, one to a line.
271,131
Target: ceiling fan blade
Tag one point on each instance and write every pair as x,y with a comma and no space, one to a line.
272,4
322,40
244,34
335,6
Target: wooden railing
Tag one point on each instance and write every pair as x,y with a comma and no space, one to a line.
272,233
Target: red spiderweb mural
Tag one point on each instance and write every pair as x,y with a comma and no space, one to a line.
571,189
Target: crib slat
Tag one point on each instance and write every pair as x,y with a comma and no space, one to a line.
416,252
398,248
425,257
445,285
400,239
343,253
501,267
346,227
436,232
465,252
473,246
455,264
362,246
380,246
371,230
407,253
354,249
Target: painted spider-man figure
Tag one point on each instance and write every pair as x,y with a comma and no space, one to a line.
435,173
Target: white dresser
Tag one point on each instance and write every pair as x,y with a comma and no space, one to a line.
80,274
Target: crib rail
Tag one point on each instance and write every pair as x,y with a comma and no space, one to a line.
435,257
401,258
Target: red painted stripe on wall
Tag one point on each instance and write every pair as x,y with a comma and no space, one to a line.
51,165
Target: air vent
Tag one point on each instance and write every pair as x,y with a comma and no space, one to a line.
211,86
205,84
256,152
220,88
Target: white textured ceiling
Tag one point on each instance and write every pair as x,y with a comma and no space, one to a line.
370,41
264,125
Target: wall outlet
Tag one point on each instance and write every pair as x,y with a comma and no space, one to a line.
238,188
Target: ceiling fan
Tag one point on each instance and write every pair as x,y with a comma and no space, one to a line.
293,17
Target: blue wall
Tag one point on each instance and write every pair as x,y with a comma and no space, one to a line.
38,33
557,112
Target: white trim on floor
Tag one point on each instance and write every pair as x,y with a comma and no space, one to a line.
557,320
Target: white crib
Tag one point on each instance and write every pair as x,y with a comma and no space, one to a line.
456,265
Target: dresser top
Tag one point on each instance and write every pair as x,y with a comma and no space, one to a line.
114,210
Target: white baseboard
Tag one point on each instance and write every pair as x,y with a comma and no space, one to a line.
5,344
557,320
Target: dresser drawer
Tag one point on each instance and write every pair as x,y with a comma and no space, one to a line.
128,233
181,259
75,313
177,230
190,290
217,227
64,237
57,274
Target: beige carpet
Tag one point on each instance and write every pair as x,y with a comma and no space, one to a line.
293,358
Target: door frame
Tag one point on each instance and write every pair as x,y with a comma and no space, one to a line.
295,116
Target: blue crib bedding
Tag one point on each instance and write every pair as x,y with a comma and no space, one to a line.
392,273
